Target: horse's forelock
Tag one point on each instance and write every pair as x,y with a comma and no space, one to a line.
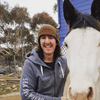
85,20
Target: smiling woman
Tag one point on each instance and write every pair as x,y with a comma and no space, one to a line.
45,70
48,44
50,31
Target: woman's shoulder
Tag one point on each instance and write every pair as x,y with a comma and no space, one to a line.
63,58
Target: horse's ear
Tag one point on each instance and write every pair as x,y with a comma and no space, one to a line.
70,13
95,9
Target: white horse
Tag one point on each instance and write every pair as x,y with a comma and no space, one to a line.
83,52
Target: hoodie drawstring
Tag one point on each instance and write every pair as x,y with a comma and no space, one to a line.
61,69
42,70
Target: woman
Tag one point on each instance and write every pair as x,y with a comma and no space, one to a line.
45,70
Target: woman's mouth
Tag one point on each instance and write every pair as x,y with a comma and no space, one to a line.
47,46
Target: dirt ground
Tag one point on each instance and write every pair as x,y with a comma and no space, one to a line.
11,96
17,97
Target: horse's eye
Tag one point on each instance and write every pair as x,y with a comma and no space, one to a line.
99,44
66,45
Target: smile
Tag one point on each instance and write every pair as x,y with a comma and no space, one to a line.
47,46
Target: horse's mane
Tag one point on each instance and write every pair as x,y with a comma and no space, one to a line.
85,20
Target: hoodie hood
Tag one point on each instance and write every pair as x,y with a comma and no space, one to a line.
33,57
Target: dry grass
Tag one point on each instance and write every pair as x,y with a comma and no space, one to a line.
5,77
8,77
8,87
4,94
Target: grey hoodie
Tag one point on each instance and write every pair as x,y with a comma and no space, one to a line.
39,81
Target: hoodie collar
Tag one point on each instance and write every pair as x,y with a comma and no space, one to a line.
33,57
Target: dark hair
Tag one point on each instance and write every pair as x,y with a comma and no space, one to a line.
57,52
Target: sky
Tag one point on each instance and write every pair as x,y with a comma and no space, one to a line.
36,6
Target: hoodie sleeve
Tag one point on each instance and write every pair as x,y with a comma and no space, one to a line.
28,85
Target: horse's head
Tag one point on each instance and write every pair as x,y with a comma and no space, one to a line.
83,50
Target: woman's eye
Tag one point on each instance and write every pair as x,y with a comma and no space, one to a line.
43,37
51,37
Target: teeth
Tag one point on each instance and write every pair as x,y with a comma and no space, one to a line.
47,46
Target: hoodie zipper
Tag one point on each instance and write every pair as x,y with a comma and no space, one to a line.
54,82
41,68
62,71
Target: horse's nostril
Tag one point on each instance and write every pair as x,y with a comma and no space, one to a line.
90,94
70,94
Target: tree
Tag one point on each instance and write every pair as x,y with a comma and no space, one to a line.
15,36
55,8
40,19
5,17
20,17
4,13
5,20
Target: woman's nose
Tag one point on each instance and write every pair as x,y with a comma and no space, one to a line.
47,40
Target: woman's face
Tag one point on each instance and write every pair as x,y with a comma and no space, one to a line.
48,44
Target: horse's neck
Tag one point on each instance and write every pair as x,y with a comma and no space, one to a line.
66,85
97,88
